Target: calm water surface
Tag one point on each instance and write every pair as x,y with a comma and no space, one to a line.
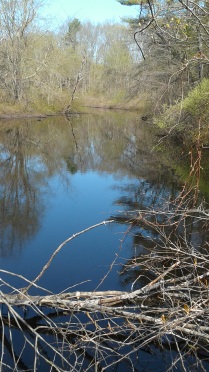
61,176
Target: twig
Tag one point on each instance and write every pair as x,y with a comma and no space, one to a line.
46,266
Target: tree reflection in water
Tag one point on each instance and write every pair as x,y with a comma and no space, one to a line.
161,238
154,212
157,226
33,151
18,203
28,158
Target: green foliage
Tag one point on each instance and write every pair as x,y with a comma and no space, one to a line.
129,2
49,64
197,101
74,27
189,117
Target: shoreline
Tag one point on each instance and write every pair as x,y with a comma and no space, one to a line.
44,116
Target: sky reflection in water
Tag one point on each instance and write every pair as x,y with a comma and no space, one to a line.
69,176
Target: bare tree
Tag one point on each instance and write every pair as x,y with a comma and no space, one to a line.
172,40
16,20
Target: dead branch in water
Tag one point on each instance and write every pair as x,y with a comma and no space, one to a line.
99,329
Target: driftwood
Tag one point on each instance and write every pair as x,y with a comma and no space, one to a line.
99,329
83,300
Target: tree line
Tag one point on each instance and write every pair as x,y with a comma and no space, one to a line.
166,308
40,67
159,56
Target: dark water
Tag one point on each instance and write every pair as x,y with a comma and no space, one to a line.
59,177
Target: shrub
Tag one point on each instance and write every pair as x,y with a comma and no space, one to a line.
189,117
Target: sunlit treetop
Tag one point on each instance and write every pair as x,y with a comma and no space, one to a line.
129,2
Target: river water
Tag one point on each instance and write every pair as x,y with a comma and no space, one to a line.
59,176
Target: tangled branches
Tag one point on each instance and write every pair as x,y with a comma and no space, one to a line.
166,310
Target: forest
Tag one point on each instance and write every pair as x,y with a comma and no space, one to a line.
155,65
157,61
40,68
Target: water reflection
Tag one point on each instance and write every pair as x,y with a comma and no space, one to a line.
161,229
39,161
32,152
19,193
28,158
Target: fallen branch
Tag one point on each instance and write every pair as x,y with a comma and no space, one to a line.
65,329
59,249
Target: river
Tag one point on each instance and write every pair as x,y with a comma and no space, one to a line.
58,177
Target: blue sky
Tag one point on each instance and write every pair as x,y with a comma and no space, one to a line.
96,11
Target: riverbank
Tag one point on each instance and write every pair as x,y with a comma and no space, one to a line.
15,110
